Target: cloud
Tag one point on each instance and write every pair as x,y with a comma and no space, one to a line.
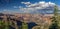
58,7
27,3
15,6
42,4
5,10
36,6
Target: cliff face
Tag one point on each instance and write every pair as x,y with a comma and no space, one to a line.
37,18
15,20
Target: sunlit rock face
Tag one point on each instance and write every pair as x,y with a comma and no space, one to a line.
30,17
27,18
37,18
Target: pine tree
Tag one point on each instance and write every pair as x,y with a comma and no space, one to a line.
24,24
55,20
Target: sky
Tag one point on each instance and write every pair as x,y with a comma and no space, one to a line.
28,6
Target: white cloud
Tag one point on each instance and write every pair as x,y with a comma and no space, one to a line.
26,3
15,7
4,10
41,4
58,7
36,6
50,3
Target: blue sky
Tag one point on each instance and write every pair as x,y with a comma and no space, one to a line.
13,5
